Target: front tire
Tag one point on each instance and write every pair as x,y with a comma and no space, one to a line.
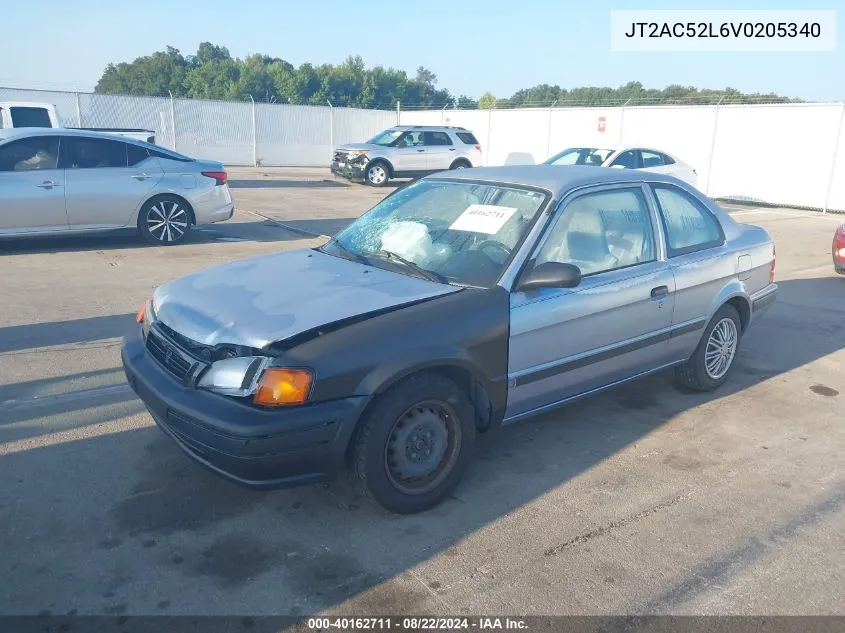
415,444
377,174
164,221
709,366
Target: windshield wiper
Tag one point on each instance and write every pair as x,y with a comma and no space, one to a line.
422,272
347,253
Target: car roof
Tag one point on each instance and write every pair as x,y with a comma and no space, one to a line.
20,132
430,127
557,179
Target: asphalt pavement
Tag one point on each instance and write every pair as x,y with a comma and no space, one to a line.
645,499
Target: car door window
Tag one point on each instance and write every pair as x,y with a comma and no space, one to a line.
602,231
28,154
667,160
652,159
629,160
136,154
436,138
411,139
689,225
93,153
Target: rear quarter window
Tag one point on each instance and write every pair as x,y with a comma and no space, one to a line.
467,138
689,226
163,153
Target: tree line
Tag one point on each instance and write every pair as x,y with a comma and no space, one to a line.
212,73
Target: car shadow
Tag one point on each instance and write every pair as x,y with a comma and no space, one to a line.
120,239
33,335
315,227
319,546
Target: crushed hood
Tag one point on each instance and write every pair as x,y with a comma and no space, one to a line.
353,146
268,299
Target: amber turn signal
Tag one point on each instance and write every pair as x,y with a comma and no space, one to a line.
279,387
141,314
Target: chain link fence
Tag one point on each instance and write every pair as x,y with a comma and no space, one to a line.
741,151
236,133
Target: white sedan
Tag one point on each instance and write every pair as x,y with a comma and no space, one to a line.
627,158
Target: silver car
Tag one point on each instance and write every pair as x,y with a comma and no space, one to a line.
59,181
407,151
461,303
628,157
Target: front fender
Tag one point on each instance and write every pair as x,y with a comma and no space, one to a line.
383,376
380,157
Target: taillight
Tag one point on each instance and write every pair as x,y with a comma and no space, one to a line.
220,177
772,269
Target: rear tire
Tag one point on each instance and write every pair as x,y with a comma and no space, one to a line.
164,220
461,163
415,444
711,363
377,174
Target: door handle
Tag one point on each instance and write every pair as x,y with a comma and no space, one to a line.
420,150
48,184
140,176
660,292
451,149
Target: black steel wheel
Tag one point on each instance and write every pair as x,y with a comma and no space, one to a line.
415,443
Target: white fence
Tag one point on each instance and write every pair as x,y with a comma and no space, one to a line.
790,154
235,133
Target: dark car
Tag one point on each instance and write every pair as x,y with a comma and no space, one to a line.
458,304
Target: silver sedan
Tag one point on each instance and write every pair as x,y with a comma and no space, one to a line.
56,181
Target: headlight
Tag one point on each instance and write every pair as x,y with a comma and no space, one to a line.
247,375
233,376
355,155
281,386
146,315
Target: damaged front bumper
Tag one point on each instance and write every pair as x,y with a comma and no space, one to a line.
351,171
254,447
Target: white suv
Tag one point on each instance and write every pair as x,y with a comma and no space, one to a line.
407,151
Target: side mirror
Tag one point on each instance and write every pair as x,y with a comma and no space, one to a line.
551,275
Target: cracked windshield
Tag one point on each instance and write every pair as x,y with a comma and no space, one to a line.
461,233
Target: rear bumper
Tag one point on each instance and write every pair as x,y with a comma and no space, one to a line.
762,300
213,204
252,447
345,170
218,215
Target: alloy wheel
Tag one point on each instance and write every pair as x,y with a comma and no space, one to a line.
376,174
721,348
167,221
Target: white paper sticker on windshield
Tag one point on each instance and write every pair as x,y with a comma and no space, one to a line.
483,218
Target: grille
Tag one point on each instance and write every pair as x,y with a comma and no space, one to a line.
340,157
198,350
168,356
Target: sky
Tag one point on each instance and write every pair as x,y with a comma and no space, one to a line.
472,46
